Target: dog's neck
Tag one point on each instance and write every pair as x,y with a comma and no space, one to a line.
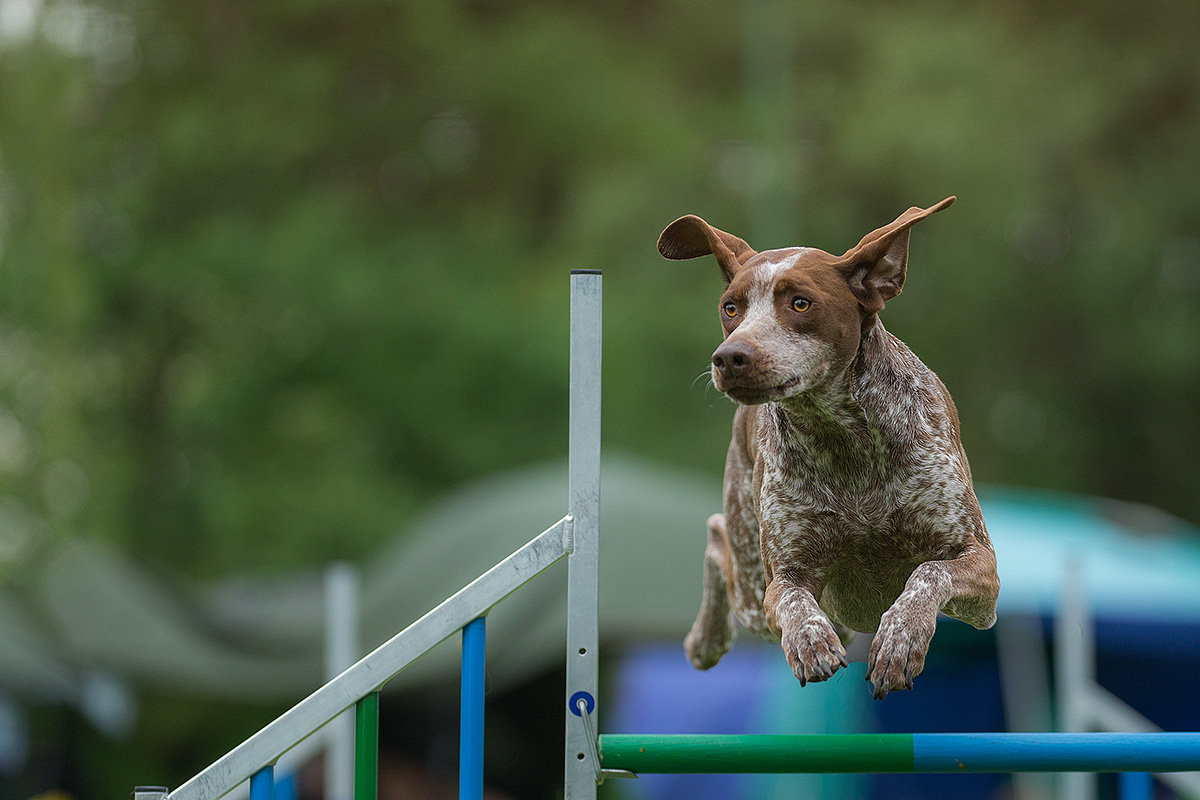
835,417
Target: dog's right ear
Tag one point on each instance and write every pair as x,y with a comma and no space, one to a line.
691,237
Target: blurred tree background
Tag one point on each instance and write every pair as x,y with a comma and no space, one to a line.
274,274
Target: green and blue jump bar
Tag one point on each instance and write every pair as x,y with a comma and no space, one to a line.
901,752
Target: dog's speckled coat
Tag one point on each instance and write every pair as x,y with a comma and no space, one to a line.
848,499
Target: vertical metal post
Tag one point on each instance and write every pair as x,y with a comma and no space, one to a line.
262,784
470,728
366,747
584,508
1025,689
341,651
1075,673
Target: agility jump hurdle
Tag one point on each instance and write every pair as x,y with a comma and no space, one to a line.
589,759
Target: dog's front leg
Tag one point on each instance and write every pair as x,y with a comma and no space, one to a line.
965,584
812,646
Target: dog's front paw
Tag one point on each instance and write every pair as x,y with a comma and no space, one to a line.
899,647
813,649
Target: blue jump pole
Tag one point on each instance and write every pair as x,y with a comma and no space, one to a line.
470,742
262,784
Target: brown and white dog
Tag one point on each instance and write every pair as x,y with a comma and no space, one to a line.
848,499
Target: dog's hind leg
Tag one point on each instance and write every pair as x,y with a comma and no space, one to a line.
712,633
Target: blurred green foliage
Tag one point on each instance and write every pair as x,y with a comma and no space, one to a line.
274,274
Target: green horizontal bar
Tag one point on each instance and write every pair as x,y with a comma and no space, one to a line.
712,754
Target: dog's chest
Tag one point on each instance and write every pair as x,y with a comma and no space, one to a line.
855,506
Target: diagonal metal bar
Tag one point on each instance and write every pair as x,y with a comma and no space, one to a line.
378,667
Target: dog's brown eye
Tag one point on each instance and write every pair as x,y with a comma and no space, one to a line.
800,304
730,309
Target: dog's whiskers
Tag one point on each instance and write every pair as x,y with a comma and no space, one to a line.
706,376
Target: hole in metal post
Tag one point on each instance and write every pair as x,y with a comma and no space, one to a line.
580,756
583,651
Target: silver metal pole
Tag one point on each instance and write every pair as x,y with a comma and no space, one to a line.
1085,705
584,510
1025,690
341,651
1075,671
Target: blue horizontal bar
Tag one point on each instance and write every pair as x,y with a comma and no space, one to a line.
1056,752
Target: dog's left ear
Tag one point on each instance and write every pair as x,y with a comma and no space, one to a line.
875,267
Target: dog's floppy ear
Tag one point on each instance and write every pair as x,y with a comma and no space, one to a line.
690,237
875,267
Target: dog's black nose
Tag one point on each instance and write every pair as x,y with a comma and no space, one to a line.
733,358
